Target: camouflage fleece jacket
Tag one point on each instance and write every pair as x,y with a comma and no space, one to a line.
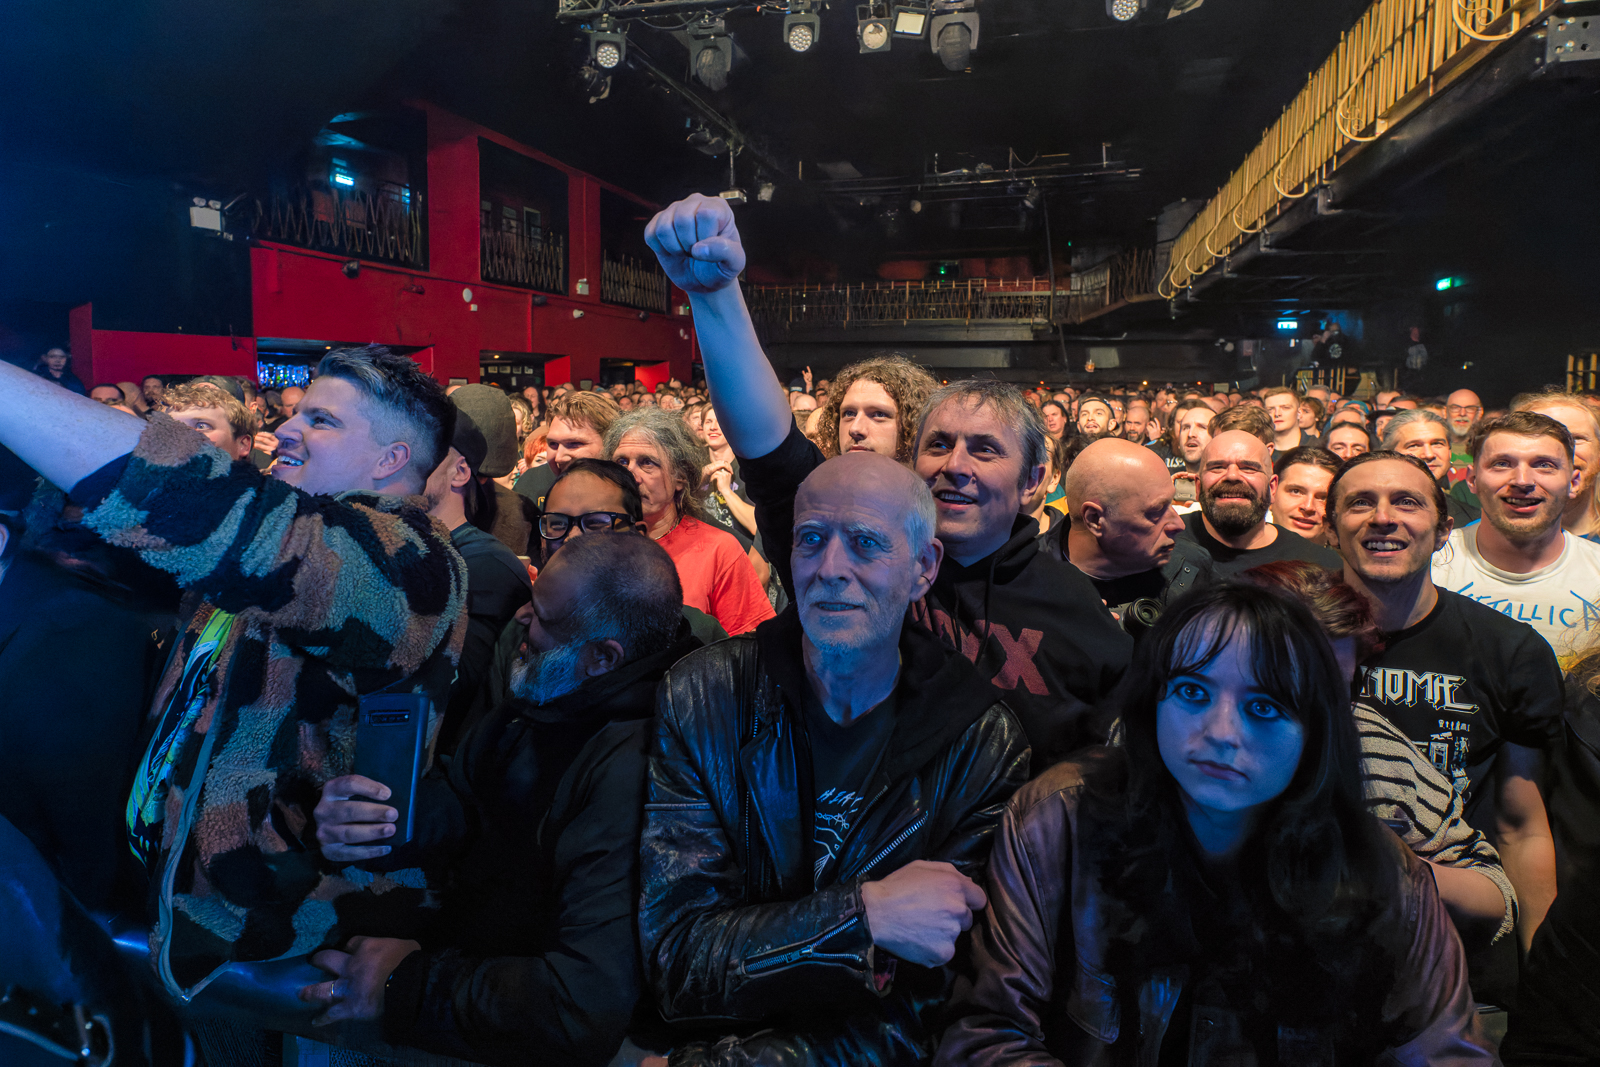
331,597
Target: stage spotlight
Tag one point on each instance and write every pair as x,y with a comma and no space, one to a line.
954,32
801,27
910,20
872,27
1124,10
712,55
608,47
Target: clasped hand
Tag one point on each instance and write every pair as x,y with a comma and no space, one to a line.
346,819
919,911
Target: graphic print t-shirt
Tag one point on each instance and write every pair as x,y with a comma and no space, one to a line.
843,759
1461,683
1560,601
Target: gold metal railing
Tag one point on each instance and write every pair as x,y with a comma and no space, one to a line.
1396,56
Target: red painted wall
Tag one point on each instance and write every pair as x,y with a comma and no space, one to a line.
448,309
125,356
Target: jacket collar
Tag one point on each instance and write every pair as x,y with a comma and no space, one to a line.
625,693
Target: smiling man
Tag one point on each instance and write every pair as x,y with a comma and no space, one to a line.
1031,622
1519,560
822,795
1582,516
1300,499
1420,433
578,425
1478,693
1236,487
311,588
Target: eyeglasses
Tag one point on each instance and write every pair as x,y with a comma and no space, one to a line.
1462,409
554,526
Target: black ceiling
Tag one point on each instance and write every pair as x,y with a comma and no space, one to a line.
220,94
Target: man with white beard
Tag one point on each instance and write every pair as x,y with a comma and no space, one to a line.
531,832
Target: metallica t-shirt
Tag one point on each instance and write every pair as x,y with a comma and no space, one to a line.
1461,683
843,759
1561,601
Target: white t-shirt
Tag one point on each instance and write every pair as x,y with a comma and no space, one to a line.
1561,601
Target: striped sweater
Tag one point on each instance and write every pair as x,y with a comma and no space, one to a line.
310,600
1420,805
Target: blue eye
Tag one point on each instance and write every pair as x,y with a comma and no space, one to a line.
1189,691
1263,709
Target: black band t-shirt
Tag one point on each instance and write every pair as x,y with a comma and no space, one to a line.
843,760
1461,683
1231,561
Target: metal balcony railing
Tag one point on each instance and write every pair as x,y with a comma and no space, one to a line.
516,259
634,285
1396,56
972,300
386,225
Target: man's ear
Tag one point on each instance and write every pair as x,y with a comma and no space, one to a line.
601,657
392,461
1093,518
928,567
462,474
1034,478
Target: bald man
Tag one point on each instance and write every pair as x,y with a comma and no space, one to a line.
1122,530
822,795
1236,485
1463,410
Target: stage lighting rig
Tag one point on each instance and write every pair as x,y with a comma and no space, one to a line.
710,54
873,28
911,19
953,33
801,26
1125,10
608,46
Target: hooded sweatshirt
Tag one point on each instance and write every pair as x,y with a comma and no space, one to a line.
1053,648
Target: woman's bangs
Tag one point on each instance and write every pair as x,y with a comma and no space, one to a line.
1278,669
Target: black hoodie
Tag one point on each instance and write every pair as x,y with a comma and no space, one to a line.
1034,625
1054,649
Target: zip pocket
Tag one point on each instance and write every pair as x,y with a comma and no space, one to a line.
790,955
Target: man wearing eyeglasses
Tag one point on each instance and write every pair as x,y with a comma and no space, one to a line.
1463,409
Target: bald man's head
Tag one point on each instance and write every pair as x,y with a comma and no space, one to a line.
1236,483
1111,470
1119,495
867,474
863,552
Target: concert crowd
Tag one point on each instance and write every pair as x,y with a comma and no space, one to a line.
872,720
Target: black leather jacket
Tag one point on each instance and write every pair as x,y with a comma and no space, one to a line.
737,945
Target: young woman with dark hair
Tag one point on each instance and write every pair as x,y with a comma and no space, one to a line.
1214,890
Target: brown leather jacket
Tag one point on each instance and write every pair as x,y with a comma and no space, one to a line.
1015,1012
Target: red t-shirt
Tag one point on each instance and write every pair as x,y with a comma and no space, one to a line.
717,576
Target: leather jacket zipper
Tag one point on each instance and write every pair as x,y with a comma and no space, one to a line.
900,839
789,955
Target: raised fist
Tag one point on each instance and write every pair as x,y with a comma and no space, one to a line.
697,243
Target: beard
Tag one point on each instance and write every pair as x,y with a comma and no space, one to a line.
1235,515
545,676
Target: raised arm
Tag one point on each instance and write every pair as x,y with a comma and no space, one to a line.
699,248
63,436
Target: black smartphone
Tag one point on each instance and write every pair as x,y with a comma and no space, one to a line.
391,746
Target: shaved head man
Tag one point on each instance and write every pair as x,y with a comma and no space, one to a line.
1236,486
1124,529
1463,410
